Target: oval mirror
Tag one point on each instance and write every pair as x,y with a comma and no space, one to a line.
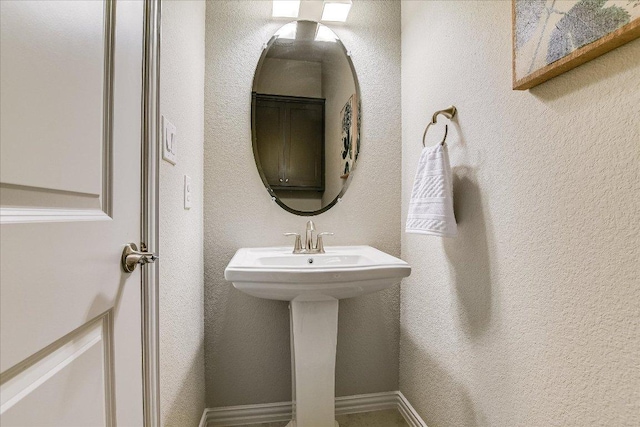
305,118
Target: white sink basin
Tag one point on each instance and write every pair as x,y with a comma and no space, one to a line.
314,283
341,272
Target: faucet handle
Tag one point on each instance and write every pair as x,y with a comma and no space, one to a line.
320,243
297,246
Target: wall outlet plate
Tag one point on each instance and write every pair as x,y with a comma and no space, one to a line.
169,142
187,192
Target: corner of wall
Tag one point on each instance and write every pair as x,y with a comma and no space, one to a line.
182,386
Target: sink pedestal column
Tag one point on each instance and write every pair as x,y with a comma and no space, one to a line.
314,335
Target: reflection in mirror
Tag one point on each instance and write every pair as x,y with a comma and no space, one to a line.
306,118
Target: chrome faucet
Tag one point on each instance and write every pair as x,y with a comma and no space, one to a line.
308,240
309,246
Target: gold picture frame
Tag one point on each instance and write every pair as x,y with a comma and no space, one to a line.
551,37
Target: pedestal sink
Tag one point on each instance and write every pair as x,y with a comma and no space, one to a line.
313,283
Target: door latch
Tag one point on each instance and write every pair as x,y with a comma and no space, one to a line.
131,257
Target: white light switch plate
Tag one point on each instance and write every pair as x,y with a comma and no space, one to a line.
169,142
187,192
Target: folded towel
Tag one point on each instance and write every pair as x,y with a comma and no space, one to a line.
431,204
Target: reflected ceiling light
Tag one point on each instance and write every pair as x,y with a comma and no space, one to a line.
285,8
324,34
336,10
288,31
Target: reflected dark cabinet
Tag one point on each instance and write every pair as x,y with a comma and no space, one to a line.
289,141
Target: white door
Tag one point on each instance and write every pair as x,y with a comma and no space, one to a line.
70,178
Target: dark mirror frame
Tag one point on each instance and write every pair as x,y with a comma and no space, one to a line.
256,156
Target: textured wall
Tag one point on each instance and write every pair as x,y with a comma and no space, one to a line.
246,338
530,316
181,268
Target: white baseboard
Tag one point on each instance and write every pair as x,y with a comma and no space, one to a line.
408,413
246,414
281,411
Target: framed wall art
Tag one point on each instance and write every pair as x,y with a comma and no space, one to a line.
350,117
551,37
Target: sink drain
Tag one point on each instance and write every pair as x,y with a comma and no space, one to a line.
310,260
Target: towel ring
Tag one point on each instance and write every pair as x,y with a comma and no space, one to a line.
449,113
446,130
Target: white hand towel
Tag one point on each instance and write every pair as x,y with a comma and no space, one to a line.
431,204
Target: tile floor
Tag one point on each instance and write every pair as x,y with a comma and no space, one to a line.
387,418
